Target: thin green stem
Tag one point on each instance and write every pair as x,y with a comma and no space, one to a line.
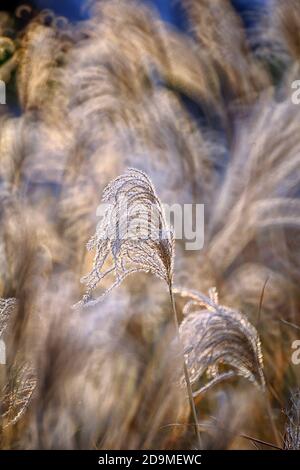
185,370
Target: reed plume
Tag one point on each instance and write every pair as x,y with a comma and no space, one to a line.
7,306
219,343
135,234
218,29
292,428
17,393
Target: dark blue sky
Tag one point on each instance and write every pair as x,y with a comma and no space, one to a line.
73,9
170,10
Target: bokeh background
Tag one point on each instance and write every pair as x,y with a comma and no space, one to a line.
198,95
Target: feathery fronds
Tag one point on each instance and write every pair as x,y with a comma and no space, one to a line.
18,393
6,308
219,30
219,343
292,429
39,55
133,234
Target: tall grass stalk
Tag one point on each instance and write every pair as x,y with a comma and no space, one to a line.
185,370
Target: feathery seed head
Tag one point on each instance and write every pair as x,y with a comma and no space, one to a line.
133,235
218,342
6,308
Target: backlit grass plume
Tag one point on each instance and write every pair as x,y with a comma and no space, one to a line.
17,393
133,235
292,429
219,343
6,308
218,29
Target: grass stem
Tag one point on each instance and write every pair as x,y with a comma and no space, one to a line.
186,373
